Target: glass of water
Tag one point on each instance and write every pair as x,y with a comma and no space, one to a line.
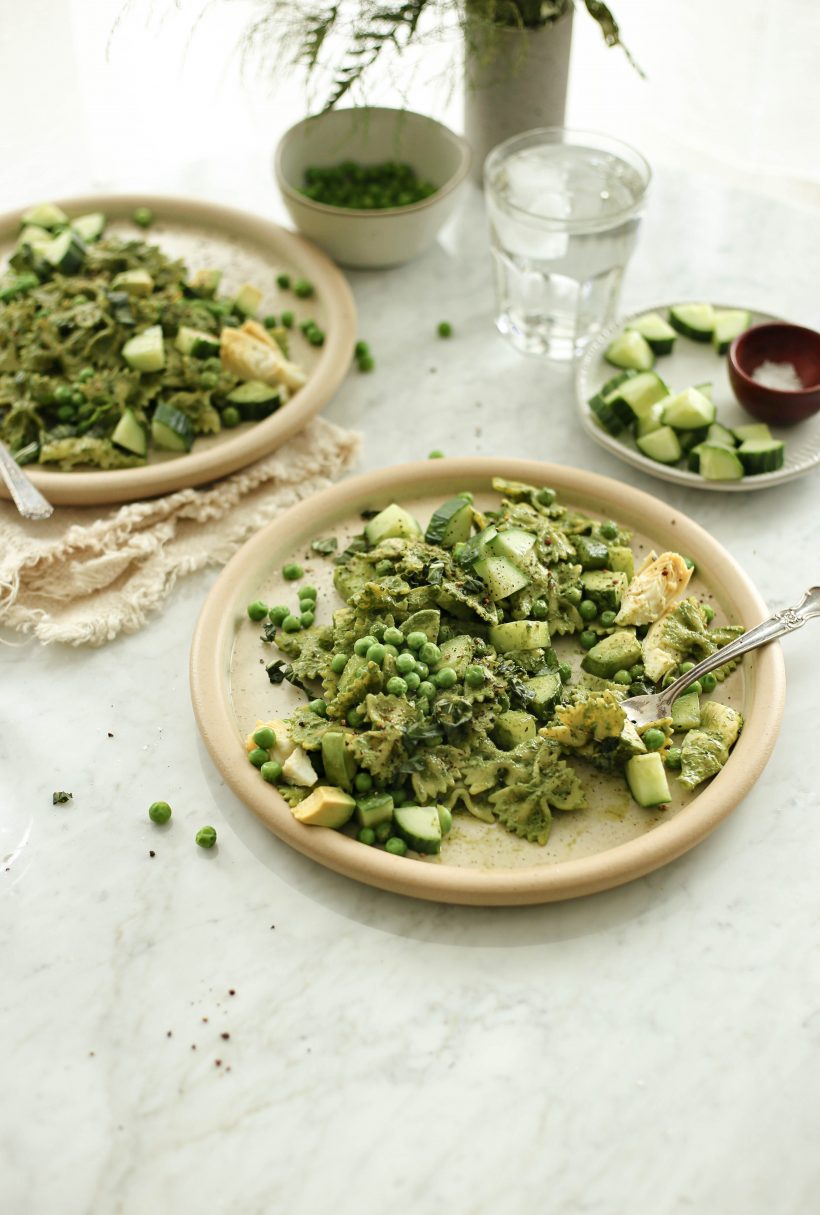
564,209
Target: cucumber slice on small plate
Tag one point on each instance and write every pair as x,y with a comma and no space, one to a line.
691,364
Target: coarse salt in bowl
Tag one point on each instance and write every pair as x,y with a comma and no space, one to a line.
774,370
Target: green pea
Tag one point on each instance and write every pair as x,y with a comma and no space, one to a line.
143,217
708,612
413,681
270,322
689,563
445,678
66,413
338,663
539,609
366,362
545,497
444,329
303,289
383,567
206,837
366,835
382,830
363,644
283,281
653,739
278,613
405,663
565,672
573,595
622,676
292,571
588,609
258,757
306,619
415,640
638,671
265,738
87,373
673,757
393,636
668,680
287,319
361,348
291,624
159,812
355,717
376,653
426,689
422,669
77,398
697,686
588,639
308,592
435,455
209,379
429,653
257,610
271,771
708,682
363,782
392,651
231,417
396,846
609,529
318,706
62,394
396,686
685,667
608,618
474,677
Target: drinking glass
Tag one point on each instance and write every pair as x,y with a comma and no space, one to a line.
564,209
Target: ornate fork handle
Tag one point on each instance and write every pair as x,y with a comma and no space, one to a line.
784,620
28,500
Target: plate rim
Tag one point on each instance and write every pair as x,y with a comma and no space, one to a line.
209,668
241,449
676,476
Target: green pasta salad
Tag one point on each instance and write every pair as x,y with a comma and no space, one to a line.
111,349
447,681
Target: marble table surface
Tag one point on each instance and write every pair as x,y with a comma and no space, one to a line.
241,1031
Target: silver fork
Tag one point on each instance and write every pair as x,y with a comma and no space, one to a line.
642,710
28,500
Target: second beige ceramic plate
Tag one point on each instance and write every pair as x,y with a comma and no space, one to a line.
614,840
247,249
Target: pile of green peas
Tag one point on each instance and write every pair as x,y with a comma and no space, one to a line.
366,187
283,617
264,740
70,399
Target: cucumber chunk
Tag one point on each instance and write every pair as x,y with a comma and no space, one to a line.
203,283
718,463
128,433
370,811
248,299
622,560
546,693
255,400
753,430
66,252
696,321
650,421
45,215
591,554
719,434
688,410
609,418
520,635
419,827
512,727
646,777
617,652
604,588
145,351
134,282
662,445
170,429
761,455
392,521
451,523
729,324
658,333
686,712
89,227
200,345
635,397
339,764
502,578
631,351
514,544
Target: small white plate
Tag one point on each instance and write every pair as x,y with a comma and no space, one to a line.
691,363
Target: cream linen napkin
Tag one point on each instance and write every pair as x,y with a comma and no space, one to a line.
83,577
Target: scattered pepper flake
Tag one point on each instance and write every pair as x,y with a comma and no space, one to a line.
225,1036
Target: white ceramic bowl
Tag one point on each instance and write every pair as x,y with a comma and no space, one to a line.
372,135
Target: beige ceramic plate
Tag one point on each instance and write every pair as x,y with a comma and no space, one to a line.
612,842
247,249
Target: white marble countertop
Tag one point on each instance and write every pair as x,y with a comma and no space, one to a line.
241,1031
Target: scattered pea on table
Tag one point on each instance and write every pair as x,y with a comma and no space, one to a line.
143,217
445,329
206,837
292,571
159,812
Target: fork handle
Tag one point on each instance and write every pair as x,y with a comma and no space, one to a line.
28,500
784,620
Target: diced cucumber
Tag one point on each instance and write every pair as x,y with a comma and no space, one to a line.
338,762
729,324
204,283
707,389
171,429
520,635
456,653
635,397
445,818
591,554
686,712
66,252
662,445
501,576
718,463
45,215
128,433
255,400
719,434
370,811
658,333
688,410
451,523
617,652
546,693
89,227
134,282
646,777
392,521
696,321
475,546
200,344
419,827
631,351
754,430
32,235
248,299
145,351
604,588
512,727
610,418
515,544
622,559
761,455
693,459
650,421
692,438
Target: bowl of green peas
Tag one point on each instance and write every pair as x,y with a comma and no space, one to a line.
372,186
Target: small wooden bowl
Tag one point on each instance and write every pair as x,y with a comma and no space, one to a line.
776,342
